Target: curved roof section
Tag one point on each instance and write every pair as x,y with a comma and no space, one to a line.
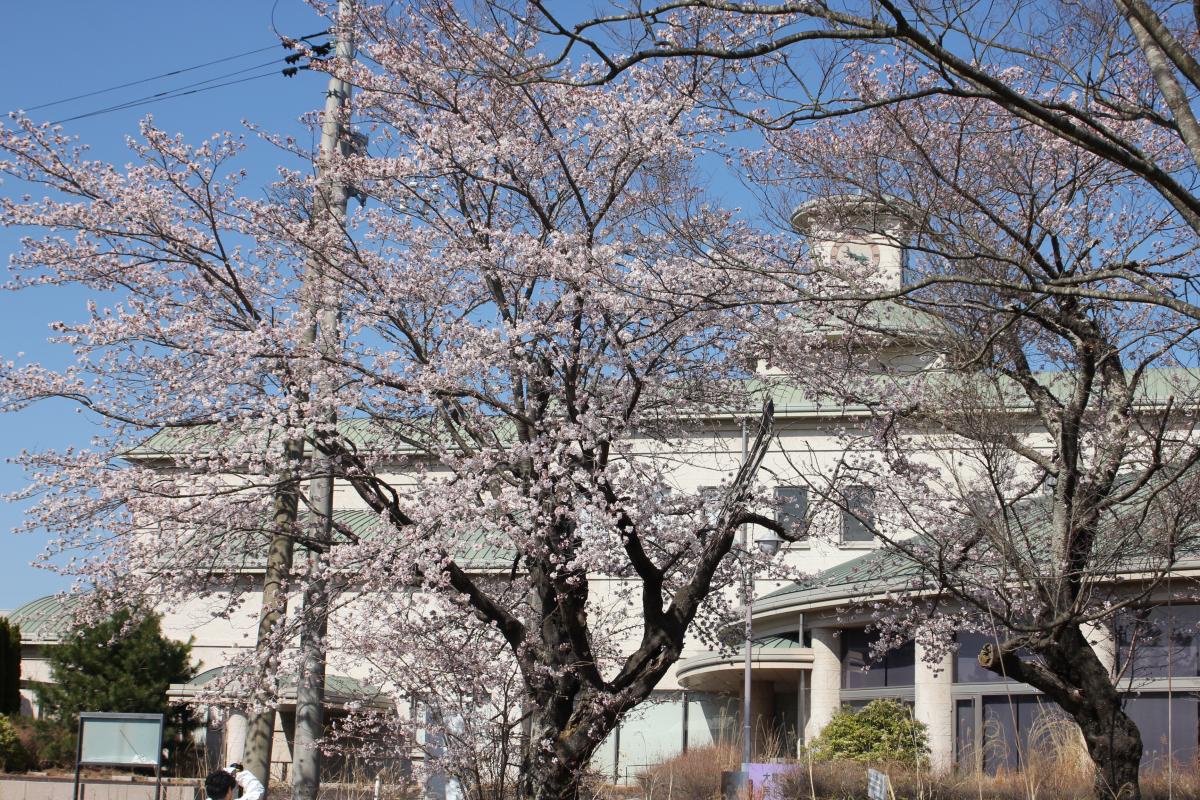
339,689
1115,555
868,574
773,657
1155,387
46,619
838,210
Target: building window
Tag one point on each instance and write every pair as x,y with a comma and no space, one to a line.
858,518
1013,727
1169,724
710,502
894,668
791,504
966,754
908,275
966,661
1160,642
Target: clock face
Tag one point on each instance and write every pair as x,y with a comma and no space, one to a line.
857,252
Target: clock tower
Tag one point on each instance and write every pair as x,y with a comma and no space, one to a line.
857,242
857,246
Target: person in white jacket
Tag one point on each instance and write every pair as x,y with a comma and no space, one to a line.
220,784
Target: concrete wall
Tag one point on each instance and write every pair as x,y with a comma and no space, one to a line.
39,788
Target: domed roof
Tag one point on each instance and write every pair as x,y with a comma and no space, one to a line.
45,620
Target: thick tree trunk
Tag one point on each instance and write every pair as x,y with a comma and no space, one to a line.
1073,676
1112,738
1115,746
564,736
1113,742
554,768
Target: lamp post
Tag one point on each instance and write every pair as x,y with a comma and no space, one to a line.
768,543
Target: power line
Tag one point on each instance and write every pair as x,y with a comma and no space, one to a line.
170,96
170,74
165,93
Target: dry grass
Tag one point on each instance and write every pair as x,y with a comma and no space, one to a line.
694,775
1056,768
848,781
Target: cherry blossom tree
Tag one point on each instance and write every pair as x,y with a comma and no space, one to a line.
1040,443
1042,157
533,310
1117,78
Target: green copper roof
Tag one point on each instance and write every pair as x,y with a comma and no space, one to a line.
476,551
338,688
46,619
373,434
1114,554
775,642
867,574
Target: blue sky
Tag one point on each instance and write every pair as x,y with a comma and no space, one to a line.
69,47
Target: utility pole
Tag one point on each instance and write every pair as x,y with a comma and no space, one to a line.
329,206
330,199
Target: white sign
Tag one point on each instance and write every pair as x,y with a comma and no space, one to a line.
877,785
132,740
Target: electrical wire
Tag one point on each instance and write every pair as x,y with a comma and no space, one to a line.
166,92
170,74
168,96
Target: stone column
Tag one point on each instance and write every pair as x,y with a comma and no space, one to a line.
825,681
933,705
235,737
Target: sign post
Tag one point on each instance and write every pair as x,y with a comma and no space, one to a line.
119,740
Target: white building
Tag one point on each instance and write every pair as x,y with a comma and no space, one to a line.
809,651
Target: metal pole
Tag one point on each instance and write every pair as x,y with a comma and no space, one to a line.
330,200
802,706
78,756
617,753
748,597
684,733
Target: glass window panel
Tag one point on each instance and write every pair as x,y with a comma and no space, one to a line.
1186,654
1040,722
1001,718
858,522
901,665
710,498
1013,727
1162,641
894,668
792,504
966,660
964,734
856,654
1168,725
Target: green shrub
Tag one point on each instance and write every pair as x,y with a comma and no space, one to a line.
884,731
53,744
12,753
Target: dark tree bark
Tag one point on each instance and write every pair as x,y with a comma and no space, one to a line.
1074,677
